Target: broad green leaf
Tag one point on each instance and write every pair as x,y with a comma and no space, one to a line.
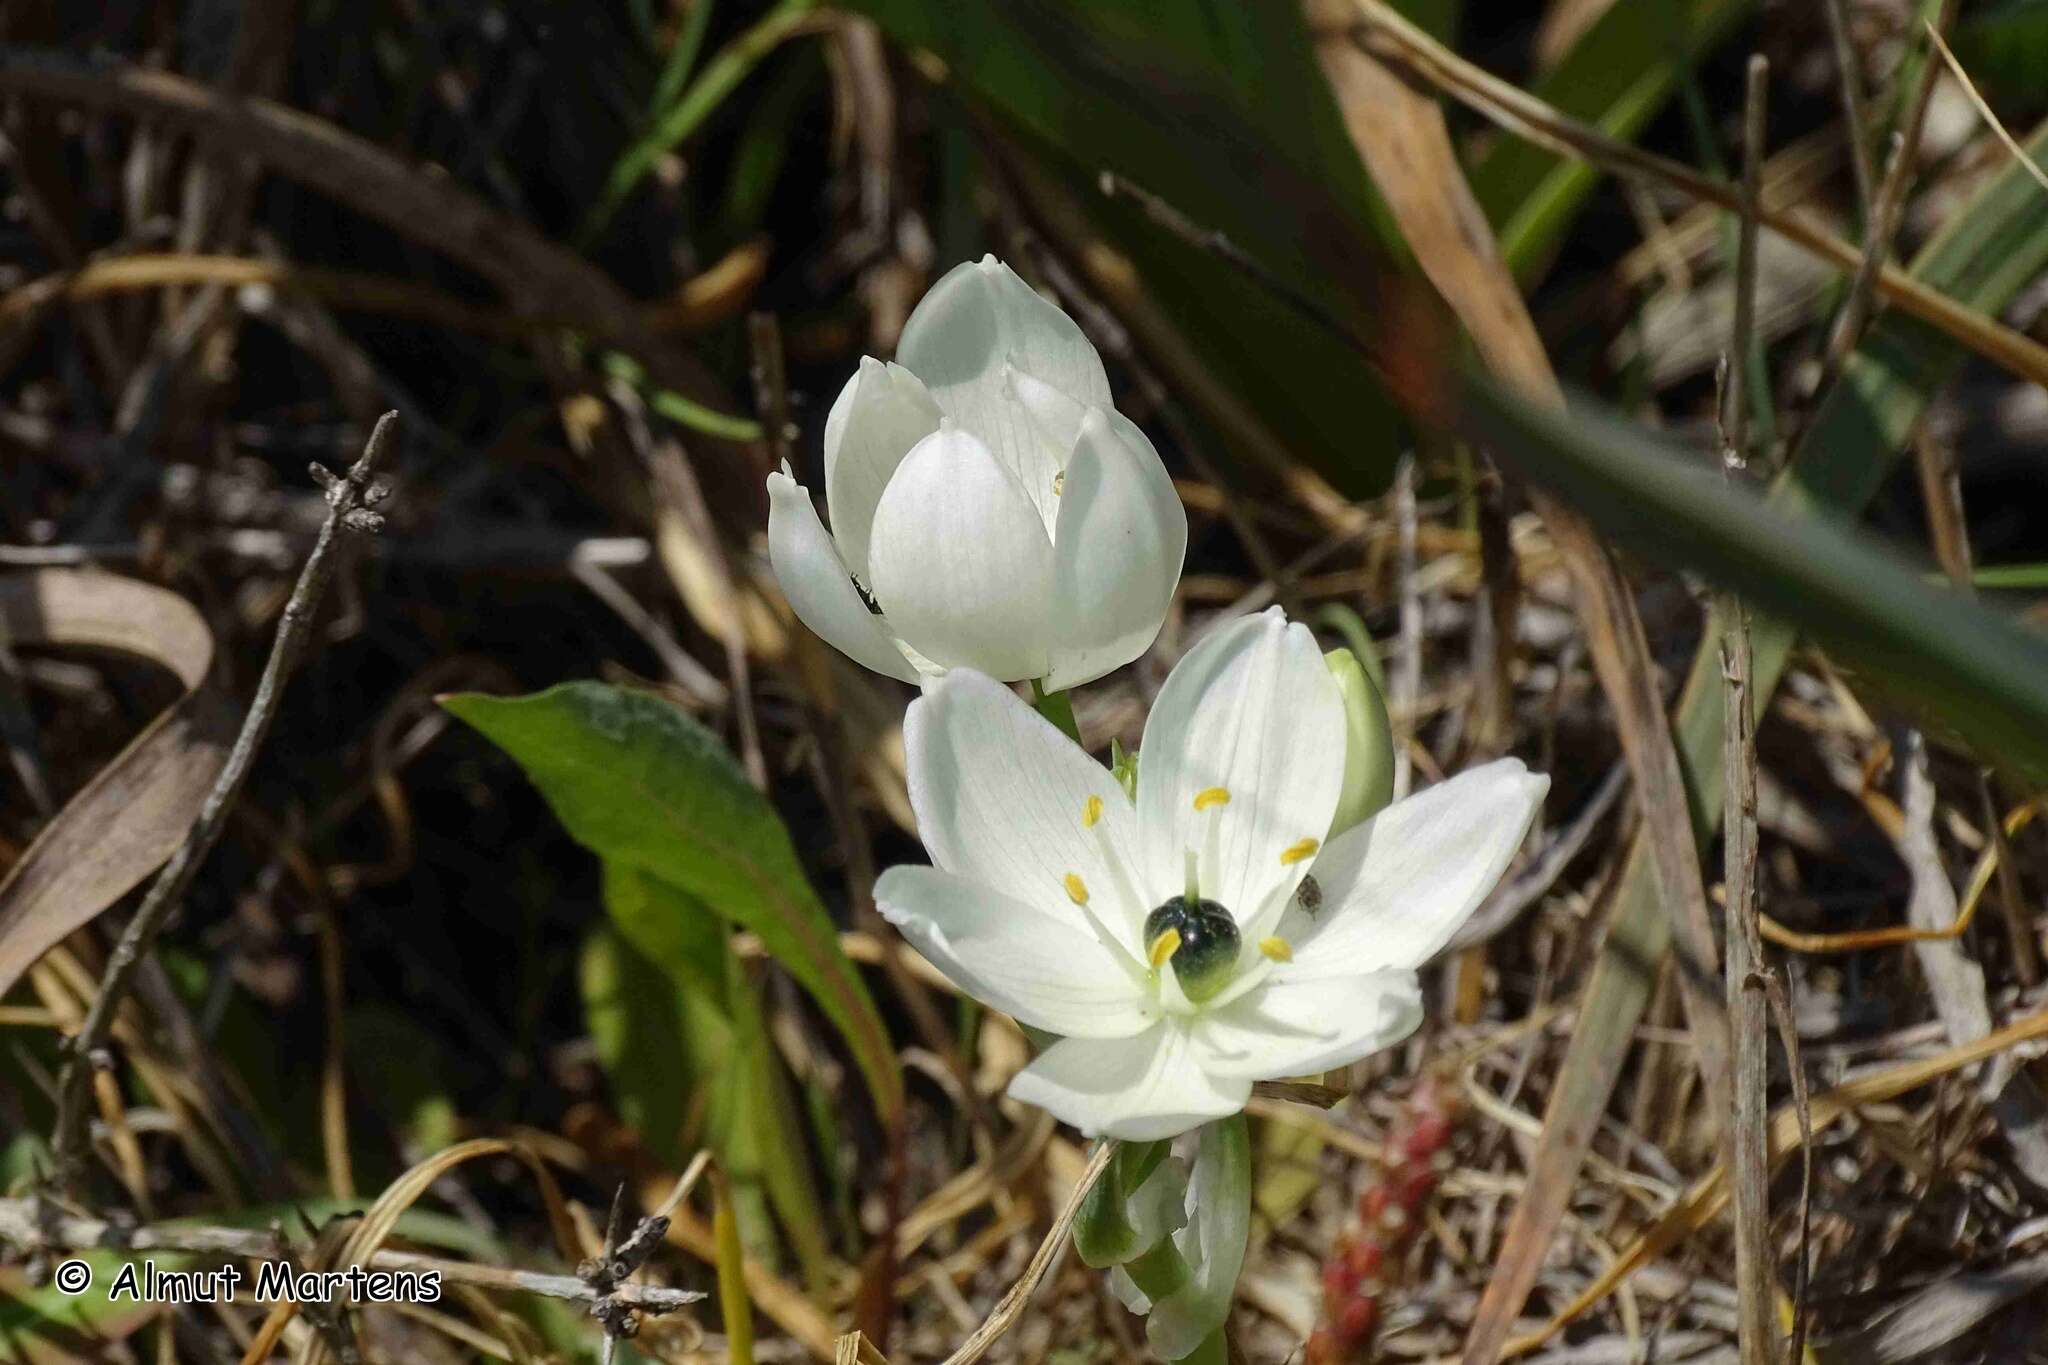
1617,77
641,784
679,1032
631,1010
1129,86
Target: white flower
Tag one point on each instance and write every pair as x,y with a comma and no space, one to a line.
1000,511
1058,900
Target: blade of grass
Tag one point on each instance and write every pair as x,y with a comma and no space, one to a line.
720,77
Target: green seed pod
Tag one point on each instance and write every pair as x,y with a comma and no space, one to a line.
1368,744
1205,950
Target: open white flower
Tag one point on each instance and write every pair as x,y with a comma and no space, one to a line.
1166,940
988,496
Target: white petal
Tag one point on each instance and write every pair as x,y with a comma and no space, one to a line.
881,413
1134,1089
1117,551
1034,435
1043,969
964,336
814,579
1299,1028
960,560
1398,886
1003,797
1251,710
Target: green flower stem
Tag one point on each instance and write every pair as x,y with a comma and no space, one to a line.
1055,707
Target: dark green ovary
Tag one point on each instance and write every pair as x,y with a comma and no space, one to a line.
1208,943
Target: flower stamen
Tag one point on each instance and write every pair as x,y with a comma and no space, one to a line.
1091,811
1277,949
1299,851
1211,796
1163,948
1077,890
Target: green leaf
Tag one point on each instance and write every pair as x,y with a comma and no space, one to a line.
720,77
640,783
1219,1202
635,1027
1128,1212
1616,77
1970,667
1129,86
665,984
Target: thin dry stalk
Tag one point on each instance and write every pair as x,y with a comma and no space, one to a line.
1849,75
1880,226
2012,145
1748,1139
349,500
1011,1307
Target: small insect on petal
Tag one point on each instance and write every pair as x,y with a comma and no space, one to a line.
1298,851
1211,796
1091,812
1164,947
1077,890
1277,948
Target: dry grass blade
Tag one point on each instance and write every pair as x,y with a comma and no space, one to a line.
136,810
1526,116
1401,135
536,276
1938,1315
2033,168
1708,1195
380,1220
1954,978
1012,1304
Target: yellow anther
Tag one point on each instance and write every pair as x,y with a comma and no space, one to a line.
1091,812
1298,850
1077,890
1164,947
1277,948
1059,483
1211,796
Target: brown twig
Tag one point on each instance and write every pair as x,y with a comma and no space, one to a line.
350,499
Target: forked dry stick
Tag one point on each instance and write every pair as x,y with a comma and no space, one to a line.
350,499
